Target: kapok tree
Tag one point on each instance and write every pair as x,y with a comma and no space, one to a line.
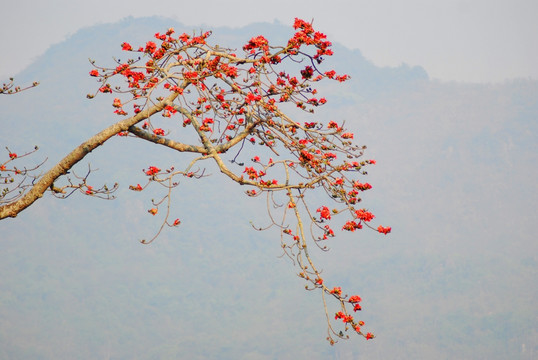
221,107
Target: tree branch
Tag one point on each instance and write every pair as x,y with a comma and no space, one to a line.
165,141
61,168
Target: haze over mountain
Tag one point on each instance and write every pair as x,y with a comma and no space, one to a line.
455,178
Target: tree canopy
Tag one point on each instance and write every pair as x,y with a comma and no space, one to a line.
215,105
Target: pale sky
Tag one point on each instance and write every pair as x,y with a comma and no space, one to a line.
454,40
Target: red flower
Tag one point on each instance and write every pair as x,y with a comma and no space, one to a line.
257,42
324,212
364,215
12,155
152,170
190,75
176,222
338,181
328,231
293,82
230,71
150,47
171,109
89,191
251,97
369,336
307,72
176,89
94,72
105,89
330,74
153,211
251,172
384,230
337,291
362,187
355,299
339,315
160,37
334,125
351,226
158,131
184,37
126,47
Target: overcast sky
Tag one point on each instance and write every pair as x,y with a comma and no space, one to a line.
461,40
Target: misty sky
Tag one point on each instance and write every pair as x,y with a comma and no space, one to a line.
462,40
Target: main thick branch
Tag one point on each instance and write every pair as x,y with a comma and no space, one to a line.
62,167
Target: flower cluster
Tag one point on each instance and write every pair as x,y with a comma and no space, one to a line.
384,230
225,100
152,170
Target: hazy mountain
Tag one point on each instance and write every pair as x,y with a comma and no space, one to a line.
456,179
